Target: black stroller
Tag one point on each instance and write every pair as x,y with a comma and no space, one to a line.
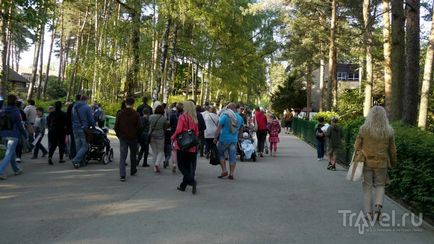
99,147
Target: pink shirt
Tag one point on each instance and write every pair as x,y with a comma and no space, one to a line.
185,122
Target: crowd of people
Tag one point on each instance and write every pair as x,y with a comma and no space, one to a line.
157,128
178,134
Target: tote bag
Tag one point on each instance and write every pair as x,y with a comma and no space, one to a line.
187,139
355,172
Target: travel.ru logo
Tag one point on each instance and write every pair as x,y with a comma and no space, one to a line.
388,221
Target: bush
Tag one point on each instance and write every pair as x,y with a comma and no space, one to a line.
413,178
327,115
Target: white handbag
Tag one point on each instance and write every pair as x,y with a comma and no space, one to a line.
355,172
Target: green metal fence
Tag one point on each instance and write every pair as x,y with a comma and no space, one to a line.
305,130
110,121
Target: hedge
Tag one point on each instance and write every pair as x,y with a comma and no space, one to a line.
412,180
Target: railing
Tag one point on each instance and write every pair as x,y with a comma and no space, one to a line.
305,130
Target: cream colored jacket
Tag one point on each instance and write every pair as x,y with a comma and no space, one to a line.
378,153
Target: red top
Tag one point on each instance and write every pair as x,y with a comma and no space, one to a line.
185,122
261,120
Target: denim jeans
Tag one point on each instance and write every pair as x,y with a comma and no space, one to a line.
231,148
80,145
39,146
124,145
320,148
11,144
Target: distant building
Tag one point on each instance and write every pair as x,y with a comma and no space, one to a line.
348,78
17,81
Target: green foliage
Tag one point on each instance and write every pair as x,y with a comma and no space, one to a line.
413,178
2,153
289,95
350,104
55,89
327,115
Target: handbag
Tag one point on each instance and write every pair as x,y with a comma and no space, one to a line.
214,155
87,131
187,139
355,172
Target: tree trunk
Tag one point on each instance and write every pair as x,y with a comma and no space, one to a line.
412,62
135,41
5,69
35,65
309,86
47,73
164,51
427,79
61,52
77,56
41,61
367,19
398,58
332,97
387,50
321,84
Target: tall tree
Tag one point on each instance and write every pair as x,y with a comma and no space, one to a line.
5,13
398,58
387,49
368,22
427,79
333,81
412,27
47,72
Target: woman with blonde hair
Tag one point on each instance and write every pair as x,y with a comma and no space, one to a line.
376,143
187,158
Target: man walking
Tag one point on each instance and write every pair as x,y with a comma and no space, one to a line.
127,127
11,129
81,119
227,133
30,111
144,105
56,122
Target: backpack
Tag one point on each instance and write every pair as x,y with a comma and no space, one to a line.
6,121
319,134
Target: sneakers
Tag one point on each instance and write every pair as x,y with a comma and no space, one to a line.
18,160
19,172
331,167
76,166
145,165
122,178
134,172
50,162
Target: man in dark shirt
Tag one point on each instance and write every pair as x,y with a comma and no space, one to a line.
128,127
143,106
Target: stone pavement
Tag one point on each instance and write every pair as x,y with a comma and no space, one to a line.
288,199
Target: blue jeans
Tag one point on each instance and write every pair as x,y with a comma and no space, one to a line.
11,144
231,147
80,145
124,145
320,148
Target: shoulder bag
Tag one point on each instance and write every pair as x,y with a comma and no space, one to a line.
187,139
355,172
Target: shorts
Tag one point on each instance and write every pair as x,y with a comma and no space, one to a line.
231,148
333,152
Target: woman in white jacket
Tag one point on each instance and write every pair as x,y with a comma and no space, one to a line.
211,120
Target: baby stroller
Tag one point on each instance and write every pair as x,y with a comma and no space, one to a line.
99,147
246,147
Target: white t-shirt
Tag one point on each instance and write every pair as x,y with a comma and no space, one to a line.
30,112
211,121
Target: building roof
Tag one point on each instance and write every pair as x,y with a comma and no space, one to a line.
15,77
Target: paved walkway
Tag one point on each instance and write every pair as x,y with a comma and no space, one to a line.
287,199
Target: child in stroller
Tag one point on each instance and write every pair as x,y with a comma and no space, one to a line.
245,146
99,147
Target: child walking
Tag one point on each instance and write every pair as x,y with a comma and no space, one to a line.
274,130
40,125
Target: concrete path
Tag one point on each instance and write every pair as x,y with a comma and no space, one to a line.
288,199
